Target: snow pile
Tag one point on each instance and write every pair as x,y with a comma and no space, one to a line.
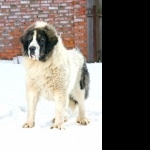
13,112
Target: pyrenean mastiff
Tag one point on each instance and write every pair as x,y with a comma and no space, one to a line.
54,73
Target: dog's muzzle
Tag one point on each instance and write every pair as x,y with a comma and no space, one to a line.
32,52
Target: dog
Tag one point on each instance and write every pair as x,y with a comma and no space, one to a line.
54,73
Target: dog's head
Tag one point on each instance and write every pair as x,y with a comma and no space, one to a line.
39,40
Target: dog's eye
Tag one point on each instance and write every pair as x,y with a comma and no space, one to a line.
30,39
42,40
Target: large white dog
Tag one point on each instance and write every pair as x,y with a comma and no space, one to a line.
54,73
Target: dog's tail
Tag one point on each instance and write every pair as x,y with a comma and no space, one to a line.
73,104
85,80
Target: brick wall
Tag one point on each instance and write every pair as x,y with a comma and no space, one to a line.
68,16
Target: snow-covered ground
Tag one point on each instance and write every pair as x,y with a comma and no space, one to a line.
13,112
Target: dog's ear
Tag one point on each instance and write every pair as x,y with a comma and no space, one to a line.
22,39
53,41
51,35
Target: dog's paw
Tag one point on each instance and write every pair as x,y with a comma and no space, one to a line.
28,125
65,120
58,126
83,121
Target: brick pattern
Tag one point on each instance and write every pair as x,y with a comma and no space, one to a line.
68,16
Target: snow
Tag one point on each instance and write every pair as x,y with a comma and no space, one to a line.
13,112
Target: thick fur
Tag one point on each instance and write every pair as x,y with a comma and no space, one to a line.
54,73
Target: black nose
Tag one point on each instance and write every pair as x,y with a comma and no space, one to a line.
32,50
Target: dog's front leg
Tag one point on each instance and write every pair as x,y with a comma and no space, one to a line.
32,99
61,103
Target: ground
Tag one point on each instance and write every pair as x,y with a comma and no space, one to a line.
13,112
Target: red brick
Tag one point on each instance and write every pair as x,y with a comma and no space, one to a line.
9,0
5,6
53,8
49,1
44,2
67,0
43,15
63,11
25,2
34,5
45,5
58,1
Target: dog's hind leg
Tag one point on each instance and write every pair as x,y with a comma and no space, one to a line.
72,105
80,93
61,103
81,118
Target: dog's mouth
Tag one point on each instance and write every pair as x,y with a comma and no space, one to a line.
33,57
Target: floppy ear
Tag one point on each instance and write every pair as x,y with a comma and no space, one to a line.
22,39
24,44
51,35
53,41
